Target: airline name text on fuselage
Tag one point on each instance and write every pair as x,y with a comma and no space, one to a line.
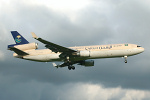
98,47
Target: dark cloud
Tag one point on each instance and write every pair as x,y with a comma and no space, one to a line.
113,22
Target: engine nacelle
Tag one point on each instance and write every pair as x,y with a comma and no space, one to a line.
84,53
87,63
28,46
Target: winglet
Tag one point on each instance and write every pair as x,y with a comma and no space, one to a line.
54,64
34,35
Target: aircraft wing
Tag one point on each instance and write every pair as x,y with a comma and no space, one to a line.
61,65
18,51
54,47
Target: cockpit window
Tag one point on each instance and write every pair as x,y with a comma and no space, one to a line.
139,46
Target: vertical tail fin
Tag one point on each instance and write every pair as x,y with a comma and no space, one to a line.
19,39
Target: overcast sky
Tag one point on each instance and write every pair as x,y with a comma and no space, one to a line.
76,23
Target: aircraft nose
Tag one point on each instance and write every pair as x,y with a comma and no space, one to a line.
141,49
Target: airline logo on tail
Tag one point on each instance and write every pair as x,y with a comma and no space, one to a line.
18,39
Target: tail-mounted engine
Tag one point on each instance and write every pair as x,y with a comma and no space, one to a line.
24,47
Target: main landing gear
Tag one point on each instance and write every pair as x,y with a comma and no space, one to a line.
125,59
71,67
69,64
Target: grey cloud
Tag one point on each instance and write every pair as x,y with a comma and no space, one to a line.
46,91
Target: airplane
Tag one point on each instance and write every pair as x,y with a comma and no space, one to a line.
80,55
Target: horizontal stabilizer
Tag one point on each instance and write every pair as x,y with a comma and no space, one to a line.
18,51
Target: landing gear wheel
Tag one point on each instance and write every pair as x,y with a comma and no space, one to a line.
69,67
73,67
125,61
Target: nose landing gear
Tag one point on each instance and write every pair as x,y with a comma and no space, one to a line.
125,59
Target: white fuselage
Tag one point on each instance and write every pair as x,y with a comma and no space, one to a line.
95,52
